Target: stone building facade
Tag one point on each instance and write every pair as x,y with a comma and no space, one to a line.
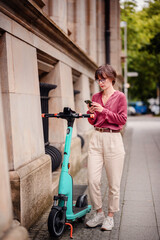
59,43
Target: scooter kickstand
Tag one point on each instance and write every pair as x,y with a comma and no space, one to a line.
71,227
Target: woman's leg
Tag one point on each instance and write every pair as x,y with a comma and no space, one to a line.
114,166
113,160
95,164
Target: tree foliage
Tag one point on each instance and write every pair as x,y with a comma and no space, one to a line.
143,40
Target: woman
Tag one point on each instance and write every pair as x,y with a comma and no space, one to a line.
106,147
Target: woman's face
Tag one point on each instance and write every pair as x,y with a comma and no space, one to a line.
105,83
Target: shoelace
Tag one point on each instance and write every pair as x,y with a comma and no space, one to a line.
95,218
109,221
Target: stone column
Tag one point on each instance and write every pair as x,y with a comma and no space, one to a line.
82,84
94,88
62,97
115,42
84,129
58,13
92,30
29,167
46,7
8,230
71,19
81,29
100,33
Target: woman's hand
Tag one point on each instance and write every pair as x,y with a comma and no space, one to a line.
91,109
97,107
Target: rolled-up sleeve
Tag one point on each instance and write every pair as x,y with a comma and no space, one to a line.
92,121
120,117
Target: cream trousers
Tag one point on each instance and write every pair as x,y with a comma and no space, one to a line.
106,149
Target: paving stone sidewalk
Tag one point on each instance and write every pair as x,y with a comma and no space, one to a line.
141,210
139,216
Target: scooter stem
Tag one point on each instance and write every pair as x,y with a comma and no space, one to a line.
65,164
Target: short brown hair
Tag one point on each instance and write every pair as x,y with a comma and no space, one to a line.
106,71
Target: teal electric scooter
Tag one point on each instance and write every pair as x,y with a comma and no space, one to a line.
63,210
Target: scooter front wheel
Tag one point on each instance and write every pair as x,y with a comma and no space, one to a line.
55,222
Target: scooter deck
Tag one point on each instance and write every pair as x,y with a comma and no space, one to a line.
78,212
78,209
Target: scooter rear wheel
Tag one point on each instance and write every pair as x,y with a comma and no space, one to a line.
81,219
55,223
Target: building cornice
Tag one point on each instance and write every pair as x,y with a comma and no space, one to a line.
30,16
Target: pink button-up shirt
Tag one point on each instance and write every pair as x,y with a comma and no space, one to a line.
114,114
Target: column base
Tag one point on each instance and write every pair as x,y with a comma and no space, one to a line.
16,232
31,189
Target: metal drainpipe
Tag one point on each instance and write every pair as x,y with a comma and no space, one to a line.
44,91
107,30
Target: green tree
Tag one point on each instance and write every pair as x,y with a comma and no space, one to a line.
143,34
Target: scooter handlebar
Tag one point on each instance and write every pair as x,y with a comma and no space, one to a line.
47,115
73,115
86,115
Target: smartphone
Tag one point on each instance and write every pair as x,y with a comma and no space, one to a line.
88,102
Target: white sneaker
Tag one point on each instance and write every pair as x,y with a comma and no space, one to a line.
97,219
108,224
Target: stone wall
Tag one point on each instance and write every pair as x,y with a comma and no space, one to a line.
9,229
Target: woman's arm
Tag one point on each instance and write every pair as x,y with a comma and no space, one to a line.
121,116
92,121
